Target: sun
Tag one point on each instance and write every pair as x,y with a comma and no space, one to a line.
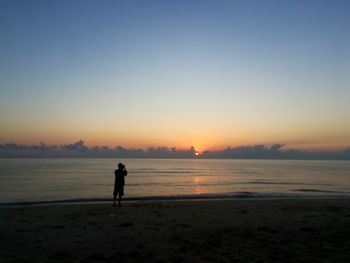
196,153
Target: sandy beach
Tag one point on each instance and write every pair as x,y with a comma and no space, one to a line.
179,231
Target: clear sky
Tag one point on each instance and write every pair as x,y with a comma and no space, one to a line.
176,73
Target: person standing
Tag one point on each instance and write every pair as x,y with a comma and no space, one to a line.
119,183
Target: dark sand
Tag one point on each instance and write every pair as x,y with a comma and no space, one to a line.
179,231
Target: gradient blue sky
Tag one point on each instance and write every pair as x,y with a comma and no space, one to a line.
176,73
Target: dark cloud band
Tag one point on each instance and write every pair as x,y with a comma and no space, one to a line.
79,149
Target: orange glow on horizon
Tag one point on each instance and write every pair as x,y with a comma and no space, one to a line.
207,140
184,145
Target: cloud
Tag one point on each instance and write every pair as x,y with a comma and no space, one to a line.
274,152
79,149
250,152
78,146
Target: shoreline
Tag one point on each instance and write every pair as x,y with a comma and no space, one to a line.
202,197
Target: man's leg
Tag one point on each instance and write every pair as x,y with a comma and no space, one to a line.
120,198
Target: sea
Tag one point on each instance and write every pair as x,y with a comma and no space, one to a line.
36,181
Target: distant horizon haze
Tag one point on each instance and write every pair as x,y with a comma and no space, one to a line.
199,147
80,149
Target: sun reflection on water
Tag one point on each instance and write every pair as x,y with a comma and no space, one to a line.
197,188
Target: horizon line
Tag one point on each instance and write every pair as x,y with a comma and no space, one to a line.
81,143
78,149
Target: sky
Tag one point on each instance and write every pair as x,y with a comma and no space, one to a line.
208,74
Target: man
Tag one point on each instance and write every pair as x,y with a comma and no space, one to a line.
119,183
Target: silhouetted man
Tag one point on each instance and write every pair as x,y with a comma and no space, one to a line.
119,183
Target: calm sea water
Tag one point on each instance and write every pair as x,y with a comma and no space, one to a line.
69,179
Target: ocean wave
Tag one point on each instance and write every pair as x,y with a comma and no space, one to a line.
319,191
285,183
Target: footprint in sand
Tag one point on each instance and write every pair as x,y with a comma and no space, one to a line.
61,255
126,224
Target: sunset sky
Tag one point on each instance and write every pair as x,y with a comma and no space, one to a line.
176,73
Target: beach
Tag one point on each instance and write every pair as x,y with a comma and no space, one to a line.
242,230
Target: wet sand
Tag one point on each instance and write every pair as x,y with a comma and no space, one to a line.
179,231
